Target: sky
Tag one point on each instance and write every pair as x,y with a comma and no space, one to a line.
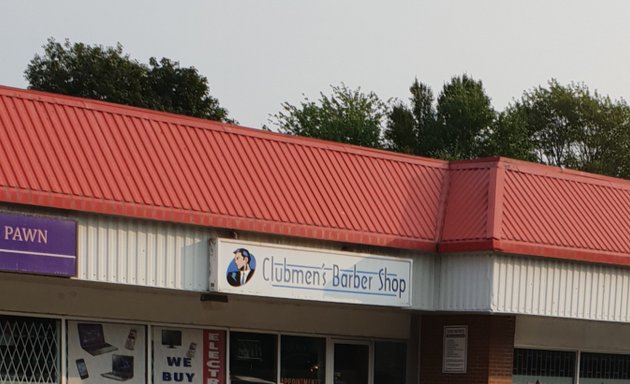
257,54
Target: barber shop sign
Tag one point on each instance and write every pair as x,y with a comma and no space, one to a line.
281,271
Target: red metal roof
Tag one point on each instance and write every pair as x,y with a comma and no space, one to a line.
84,155
523,208
570,214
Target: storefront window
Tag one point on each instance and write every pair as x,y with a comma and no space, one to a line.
604,368
532,366
351,363
101,350
182,355
302,360
253,358
389,363
29,350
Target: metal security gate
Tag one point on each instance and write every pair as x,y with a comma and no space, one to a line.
29,350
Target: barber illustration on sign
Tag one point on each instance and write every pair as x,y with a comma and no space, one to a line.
242,268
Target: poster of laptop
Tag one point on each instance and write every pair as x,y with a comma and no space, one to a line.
122,368
92,339
101,352
183,355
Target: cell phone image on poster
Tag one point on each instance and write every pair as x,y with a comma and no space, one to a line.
82,368
130,344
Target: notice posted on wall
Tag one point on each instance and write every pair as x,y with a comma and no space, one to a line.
106,352
183,355
455,349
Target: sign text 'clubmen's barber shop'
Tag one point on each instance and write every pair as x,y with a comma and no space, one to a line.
310,274
33,244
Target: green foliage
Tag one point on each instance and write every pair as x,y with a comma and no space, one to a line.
567,126
457,128
508,137
347,116
409,130
401,133
425,116
464,117
571,127
107,73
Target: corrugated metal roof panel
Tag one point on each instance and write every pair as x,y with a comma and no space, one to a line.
86,155
467,206
566,210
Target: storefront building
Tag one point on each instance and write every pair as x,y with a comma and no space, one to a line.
145,247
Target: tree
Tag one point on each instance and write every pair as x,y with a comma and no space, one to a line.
456,128
571,127
401,133
464,117
347,116
425,116
508,137
409,130
181,90
107,73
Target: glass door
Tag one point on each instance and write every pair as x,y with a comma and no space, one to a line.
351,363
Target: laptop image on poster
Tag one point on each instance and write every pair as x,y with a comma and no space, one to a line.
122,368
92,339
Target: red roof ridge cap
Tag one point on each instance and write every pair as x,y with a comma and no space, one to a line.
100,105
480,163
575,175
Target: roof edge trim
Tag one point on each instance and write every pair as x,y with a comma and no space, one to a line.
532,250
564,253
91,205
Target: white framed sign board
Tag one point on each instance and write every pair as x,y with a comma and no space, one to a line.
454,359
273,270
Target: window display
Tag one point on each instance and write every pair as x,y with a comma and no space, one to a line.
102,352
188,355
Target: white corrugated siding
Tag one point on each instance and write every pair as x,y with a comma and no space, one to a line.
151,254
537,286
465,283
425,282
524,285
452,282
